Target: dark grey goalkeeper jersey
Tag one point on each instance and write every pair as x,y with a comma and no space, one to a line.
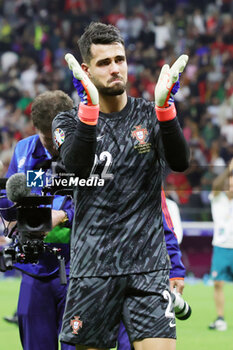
118,227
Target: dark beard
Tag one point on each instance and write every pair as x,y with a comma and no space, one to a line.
112,91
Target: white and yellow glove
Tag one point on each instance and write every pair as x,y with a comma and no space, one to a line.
166,87
89,107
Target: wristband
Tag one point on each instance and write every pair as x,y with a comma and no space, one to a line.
88,114
165,114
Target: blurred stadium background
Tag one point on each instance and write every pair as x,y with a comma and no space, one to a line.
34,37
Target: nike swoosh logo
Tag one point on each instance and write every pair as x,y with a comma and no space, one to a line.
99,137
171,324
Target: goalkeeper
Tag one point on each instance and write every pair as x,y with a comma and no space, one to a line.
119,261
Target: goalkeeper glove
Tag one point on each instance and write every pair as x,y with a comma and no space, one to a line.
89,107
167,86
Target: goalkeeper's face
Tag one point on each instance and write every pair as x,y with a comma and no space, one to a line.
108,69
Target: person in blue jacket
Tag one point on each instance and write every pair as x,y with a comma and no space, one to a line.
177,272
42,297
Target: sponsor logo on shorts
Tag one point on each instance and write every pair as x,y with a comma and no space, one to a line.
172,323
76,324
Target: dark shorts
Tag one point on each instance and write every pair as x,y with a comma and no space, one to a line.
95,306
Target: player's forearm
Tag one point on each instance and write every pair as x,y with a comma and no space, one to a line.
78,149
175,146
78,152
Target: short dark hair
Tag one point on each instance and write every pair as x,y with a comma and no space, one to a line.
98,33
47,105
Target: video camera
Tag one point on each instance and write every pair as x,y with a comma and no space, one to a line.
32,214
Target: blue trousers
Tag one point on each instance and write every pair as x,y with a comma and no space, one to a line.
40,310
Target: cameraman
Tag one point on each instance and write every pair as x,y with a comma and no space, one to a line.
42,297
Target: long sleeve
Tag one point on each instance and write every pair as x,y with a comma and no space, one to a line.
178,269
173,249
76,142
175,147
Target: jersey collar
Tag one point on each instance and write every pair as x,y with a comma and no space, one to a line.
123,113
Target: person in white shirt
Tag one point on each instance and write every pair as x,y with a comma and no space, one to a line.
221,199
174,212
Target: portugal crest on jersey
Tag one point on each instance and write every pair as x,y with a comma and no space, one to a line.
140,134
76,323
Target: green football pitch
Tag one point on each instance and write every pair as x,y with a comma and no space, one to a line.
192,334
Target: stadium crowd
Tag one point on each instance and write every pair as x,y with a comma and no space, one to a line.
36,34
